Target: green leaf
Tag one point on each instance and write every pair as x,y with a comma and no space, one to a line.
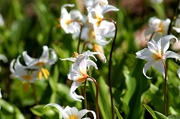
150,111
160,115
10,111
118,114
40,110
174,117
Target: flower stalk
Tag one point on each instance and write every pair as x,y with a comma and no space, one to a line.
109,67
97,105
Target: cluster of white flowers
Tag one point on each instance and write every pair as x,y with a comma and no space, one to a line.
92,26
157,48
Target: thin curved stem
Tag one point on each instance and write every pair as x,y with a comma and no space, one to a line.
79,40
109,67
97,105
173,18
84,94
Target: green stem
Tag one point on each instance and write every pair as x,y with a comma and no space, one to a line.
79,40
173,18
165,87
84,94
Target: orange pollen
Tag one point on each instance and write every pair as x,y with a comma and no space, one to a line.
73,116
27,77
39,64
83,77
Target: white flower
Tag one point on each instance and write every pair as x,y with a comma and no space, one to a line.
39,63
1,20
72,113
103,31
157,27
78,71
177,25
156,53
70,22
22,72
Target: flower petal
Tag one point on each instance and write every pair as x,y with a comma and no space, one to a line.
160,67
171,54
145,54
52,60
178,72
146,67
84,111
28,60
60,109
164,42
72,92
45,54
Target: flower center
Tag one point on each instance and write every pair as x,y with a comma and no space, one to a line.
39,64
161,28
83,76
73,116
27,77
68,21
157,56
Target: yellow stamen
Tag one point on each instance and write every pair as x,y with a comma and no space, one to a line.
73,116
39,75
45,73
75,54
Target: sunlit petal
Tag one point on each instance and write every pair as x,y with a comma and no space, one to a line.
60,109
146,67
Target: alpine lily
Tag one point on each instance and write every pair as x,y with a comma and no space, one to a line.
72,112
156,53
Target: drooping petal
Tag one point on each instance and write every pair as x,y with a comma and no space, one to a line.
45,54
146,67
178,72
145,54
152,47
63,9
28,60
72,92
171,54
109,8
3,58
81,113
60,109
160,67
53,59
164,42
12,66
91,63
